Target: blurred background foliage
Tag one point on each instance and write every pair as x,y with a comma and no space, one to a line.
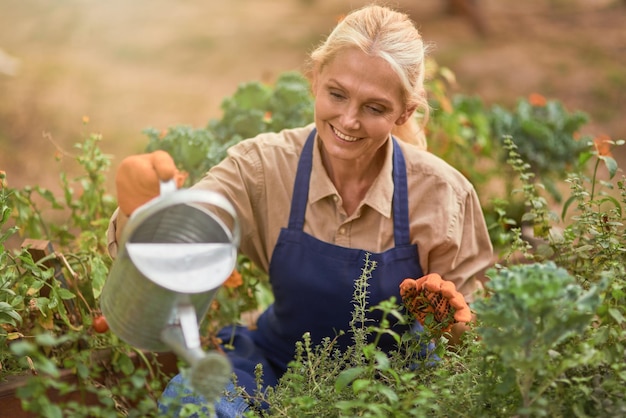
122,67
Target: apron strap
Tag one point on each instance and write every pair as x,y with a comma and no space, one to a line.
301,185
400,198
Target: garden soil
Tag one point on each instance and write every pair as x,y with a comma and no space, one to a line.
71,68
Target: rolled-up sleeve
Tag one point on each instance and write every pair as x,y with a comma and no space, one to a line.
447,223
468,251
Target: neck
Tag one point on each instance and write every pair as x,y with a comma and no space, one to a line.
353,179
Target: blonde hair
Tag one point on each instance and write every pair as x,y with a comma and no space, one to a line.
391,35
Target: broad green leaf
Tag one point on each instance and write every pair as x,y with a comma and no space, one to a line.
360,384
125,364
610,163
346,377
617,315
64,294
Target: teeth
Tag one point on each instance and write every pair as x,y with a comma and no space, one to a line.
345,137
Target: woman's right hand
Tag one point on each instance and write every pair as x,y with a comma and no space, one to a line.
139,176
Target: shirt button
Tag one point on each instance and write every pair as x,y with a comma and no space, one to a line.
342,231
335,198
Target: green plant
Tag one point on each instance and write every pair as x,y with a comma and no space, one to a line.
597,230
459,131
549,340
254,108
361,380
84,203
472,138
117,379
58,292
50,320
530,312
546,134
49,313
247,290
591,248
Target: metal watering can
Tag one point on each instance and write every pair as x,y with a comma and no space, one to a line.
175,252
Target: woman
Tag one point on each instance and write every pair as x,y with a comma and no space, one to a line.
313,201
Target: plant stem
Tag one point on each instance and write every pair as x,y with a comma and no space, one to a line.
593,180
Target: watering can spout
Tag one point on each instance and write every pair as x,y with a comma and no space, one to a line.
181,334
209,371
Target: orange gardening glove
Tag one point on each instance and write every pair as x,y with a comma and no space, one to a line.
138,178
431,295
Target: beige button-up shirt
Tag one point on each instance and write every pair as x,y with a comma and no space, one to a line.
446,220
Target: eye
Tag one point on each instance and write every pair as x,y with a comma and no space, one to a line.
375,109
337,95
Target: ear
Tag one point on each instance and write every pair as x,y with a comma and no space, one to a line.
404,116
314,80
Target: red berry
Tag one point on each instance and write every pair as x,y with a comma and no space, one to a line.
100,324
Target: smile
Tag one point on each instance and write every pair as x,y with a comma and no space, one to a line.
345,137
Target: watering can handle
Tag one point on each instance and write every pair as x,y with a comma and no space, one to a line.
167,187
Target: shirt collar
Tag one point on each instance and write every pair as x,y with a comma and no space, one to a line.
380,195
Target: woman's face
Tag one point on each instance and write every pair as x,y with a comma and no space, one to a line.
358,100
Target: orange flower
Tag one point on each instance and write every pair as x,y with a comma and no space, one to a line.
537,99
234,280
85,119
3,179
603,143
267,117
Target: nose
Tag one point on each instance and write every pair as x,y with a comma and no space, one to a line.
350,118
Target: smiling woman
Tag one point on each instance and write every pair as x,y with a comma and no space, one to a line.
355,109
316,202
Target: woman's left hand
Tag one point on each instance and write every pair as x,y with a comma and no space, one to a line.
432,297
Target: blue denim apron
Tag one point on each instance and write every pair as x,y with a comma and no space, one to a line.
313,283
